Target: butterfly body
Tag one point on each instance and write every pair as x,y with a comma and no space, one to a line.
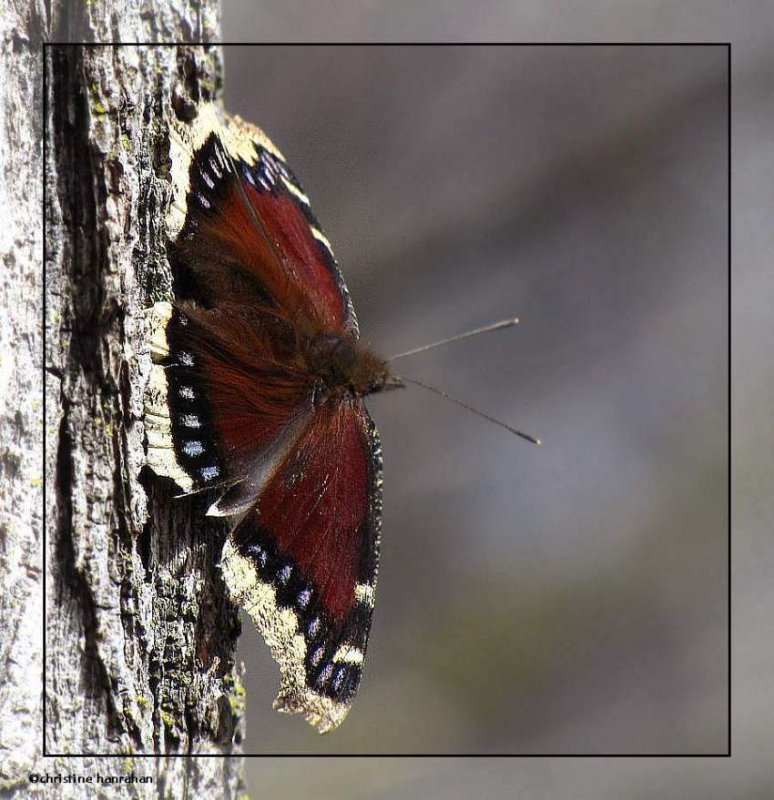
257,393
343,366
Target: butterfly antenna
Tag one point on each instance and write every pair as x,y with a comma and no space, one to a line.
496,326
473,410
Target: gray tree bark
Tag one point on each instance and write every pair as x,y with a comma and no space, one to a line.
21,453
139,636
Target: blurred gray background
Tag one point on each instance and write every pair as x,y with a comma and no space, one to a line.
570,599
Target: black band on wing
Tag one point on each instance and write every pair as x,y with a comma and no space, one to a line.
289,260
322,634
335,649
194,439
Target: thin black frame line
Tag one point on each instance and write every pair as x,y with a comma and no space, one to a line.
44,541
729,113
718,43
387,755
726,754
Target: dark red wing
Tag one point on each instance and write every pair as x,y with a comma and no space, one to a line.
232,396
249,229
304,561
233,406
315,506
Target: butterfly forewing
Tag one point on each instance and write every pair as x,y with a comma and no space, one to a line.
248,230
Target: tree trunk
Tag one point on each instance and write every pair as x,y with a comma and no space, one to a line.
21,449
139,636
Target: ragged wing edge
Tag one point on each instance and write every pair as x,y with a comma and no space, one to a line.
280,629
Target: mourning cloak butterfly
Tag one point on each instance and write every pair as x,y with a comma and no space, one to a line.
256,392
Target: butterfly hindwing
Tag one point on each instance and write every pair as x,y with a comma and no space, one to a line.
304,562
221,393
182,442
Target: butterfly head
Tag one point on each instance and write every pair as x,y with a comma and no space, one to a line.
341,364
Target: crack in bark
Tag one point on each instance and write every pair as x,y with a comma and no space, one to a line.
142,634
73,584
